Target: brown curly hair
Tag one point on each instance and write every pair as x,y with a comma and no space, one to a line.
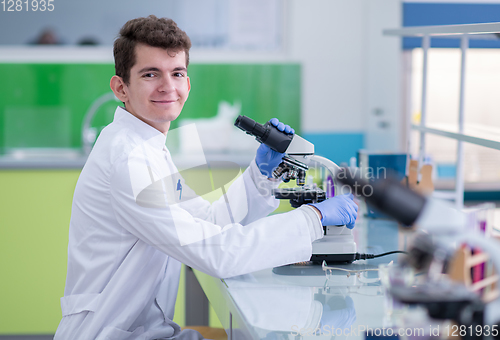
152,31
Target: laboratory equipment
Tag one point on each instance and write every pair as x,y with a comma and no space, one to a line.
374,165
338,244
89,133
443,228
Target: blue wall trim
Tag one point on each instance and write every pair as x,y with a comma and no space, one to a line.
446,171
432,14
338,147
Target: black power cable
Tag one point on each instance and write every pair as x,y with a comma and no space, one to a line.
372,256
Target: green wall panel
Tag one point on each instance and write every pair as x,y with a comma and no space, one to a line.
35,210
59,93
43,105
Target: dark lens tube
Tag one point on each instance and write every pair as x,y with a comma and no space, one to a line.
250,126
387,196
266,134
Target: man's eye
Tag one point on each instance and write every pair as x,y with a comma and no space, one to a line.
148,75
178,74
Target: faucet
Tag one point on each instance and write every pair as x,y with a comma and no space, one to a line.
89,134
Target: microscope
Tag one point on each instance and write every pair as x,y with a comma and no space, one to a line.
337,245
443,229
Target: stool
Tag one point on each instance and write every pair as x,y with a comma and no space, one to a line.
211,333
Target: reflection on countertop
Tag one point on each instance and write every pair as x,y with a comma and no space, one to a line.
287,308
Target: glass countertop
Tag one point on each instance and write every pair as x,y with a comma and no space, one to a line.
302,300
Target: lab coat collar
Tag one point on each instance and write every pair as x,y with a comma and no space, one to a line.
156,138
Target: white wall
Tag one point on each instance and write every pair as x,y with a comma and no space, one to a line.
384,109
327,37
349,68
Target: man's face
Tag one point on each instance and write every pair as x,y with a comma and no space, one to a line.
158,86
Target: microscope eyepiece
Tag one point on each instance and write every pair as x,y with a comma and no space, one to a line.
266,134
250,126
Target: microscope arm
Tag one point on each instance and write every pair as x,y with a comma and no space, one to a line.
331,166
328,164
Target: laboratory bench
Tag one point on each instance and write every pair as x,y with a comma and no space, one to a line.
293,301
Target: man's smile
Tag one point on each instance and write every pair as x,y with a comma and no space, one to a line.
164,102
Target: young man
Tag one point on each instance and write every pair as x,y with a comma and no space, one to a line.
134,220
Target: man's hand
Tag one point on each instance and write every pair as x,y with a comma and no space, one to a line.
338,210
267,159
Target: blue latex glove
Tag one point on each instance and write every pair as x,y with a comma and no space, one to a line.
267,159
338,210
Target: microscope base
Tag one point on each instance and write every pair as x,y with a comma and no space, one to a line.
336,248
333,258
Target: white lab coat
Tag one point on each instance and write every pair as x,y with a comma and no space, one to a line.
131,227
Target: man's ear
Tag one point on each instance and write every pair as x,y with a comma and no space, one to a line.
189,84
118,87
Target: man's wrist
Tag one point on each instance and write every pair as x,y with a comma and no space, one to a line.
317,211
315,225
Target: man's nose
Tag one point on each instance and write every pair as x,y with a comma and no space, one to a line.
166,85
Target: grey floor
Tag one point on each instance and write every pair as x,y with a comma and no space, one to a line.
26,337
